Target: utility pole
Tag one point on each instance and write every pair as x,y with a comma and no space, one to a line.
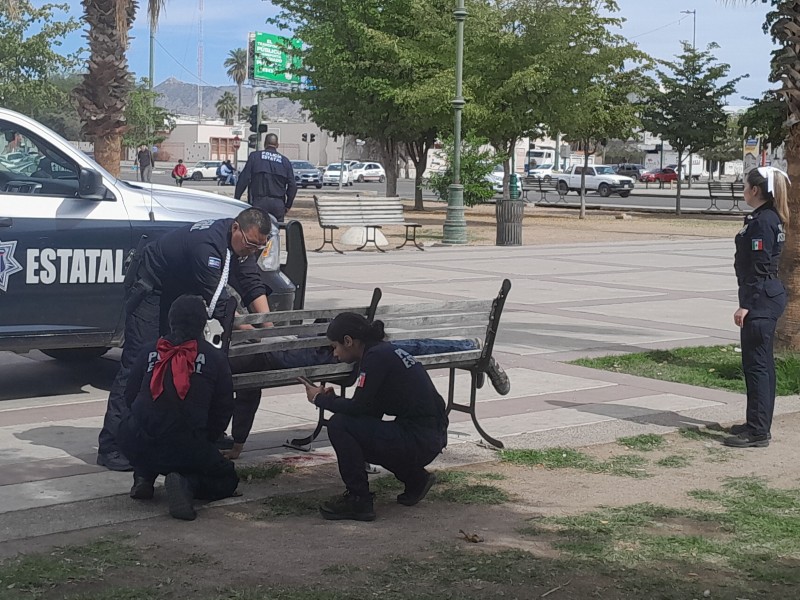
694,49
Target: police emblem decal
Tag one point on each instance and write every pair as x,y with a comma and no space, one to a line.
8,264
214,262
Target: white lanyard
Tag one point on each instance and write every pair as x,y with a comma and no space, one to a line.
223,281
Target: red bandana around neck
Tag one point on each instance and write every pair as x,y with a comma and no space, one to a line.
182,358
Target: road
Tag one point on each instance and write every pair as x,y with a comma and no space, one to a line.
652,198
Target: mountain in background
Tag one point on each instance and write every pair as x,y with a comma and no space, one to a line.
180,98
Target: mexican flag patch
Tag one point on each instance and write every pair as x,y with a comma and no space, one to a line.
758,244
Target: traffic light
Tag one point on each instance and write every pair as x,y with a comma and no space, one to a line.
263,128
253,118
252,139
304,137
312,138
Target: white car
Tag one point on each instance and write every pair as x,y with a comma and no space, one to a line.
543,172
368,171
204,169
332,173
495,178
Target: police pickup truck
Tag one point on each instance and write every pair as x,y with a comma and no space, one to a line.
67,231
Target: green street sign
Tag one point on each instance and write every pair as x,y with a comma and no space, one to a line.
271,61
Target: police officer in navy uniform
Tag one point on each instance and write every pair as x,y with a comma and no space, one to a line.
268,178
762,299
179,398
390,382
196,259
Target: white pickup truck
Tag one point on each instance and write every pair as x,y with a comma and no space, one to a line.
599,178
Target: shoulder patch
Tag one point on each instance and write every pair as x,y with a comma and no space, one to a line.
758,244
362,379
407,359
214,262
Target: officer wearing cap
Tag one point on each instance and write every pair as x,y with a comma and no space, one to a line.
196,259
762,299
268,178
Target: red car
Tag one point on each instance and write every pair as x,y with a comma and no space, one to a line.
664,175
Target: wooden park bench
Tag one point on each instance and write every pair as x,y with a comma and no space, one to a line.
372,213
543,188
719,192
460,319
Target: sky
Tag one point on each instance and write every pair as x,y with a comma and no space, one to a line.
657,26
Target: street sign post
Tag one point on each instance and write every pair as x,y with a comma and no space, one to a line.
237,142
271,61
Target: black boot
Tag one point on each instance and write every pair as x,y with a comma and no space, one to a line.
743,428
142,488
180,497
413,495
747,440
353,508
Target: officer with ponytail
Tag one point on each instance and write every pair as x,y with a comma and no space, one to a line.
179,399
390,382
762,299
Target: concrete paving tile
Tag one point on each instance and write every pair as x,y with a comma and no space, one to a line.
666,402
377,274
665,280
652,259
34,494
346,298
527,267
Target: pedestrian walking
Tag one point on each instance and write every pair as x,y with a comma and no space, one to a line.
144,159
178,399
268,178
196,259
762,299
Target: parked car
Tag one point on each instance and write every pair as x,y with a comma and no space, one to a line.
334,171
368,171
632,170
600,178
306,174
495,179
543,172
659,175
204,169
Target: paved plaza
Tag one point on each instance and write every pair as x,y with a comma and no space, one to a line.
566,302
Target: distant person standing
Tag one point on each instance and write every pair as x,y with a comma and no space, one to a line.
762,299
144,158
268,178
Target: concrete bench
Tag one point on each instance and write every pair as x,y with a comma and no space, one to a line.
461,319
334,212
718,191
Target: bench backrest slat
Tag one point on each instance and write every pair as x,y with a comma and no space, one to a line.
339,210
270,378
275,344
431,308
467,331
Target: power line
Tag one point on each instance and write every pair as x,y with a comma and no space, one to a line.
193,75
658,29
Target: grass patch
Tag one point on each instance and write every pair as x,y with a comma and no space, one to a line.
643,443
674,461
628,465
289,506
747,526
718,455
463,487
262,472
702,435
706,366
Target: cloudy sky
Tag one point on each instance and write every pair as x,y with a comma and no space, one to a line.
657,26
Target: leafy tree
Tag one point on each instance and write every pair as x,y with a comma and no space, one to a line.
147,123
726,147
476,163
687,107
378,70
766,118
226,107
63,118
30,61
236,65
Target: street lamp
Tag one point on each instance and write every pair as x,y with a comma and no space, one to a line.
455,226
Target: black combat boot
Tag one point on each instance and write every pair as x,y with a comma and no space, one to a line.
747,440
353,508
142,488
180,497
412,495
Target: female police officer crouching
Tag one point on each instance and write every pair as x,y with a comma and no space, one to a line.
179,397
762,299
390,382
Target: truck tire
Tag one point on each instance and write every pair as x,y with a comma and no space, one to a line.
624,194
604,190
75,354
563,187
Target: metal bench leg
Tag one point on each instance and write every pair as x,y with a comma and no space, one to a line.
372,239
472,404
327,241
412,239
304,444
451,391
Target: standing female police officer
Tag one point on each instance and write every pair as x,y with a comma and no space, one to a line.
390,382
762,299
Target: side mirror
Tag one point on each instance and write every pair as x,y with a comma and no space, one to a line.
90,185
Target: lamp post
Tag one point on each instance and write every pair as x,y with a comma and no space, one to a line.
694,49
455,226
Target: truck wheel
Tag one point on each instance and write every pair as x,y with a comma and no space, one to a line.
75,354
604,190
624,194
197,176
563,187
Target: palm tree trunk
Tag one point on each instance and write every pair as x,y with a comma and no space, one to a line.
788,335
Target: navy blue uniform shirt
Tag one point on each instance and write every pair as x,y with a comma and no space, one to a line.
391,382
267,174
758,250
191,260
204,412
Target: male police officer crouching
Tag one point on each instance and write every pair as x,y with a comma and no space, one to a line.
196,259
179,398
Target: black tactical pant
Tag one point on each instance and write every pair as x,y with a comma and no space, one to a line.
758,364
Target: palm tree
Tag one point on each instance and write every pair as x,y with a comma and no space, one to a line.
237,70
226,107
783,21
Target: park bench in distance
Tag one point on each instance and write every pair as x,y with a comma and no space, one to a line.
534,185
460,319
725,192
372,213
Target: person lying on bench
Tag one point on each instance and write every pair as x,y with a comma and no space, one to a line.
179,398
246,402
390,382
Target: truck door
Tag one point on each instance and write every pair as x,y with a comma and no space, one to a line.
61,257
591,179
